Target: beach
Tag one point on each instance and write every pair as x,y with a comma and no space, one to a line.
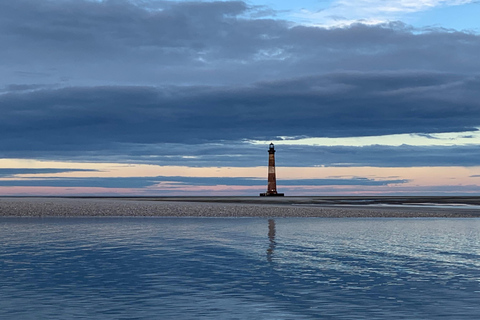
340,207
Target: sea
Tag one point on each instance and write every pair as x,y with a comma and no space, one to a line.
239,268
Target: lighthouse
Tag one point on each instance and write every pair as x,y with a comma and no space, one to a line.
272,180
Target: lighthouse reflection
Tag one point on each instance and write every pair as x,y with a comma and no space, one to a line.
271,238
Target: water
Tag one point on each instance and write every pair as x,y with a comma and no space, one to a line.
246,268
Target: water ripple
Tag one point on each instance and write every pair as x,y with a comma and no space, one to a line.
162,268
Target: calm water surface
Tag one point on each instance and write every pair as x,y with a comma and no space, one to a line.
248,268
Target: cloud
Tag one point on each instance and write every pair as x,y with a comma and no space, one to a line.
245,155
11,172
379,156
21,87
79,120
179,182
90,43
126,41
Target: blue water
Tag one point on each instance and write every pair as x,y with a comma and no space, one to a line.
246,268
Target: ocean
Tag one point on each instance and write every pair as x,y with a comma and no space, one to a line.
239,268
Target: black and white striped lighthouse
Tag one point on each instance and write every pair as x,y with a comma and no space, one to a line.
272,179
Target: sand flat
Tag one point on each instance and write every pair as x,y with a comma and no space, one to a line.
217,207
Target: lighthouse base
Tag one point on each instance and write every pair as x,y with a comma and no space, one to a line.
271,194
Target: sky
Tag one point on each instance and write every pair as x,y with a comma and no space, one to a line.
172,98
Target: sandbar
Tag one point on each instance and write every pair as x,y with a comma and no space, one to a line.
327,207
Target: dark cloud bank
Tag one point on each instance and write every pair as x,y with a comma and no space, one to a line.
138,122
129,80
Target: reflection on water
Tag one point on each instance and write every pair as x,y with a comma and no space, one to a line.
192,268
271,238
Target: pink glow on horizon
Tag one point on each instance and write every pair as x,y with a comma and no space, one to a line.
222,190
419,180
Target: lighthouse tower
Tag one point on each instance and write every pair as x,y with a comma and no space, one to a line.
272,180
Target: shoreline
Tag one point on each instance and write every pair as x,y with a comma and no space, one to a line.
226,207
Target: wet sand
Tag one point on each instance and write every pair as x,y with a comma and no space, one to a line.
337,207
